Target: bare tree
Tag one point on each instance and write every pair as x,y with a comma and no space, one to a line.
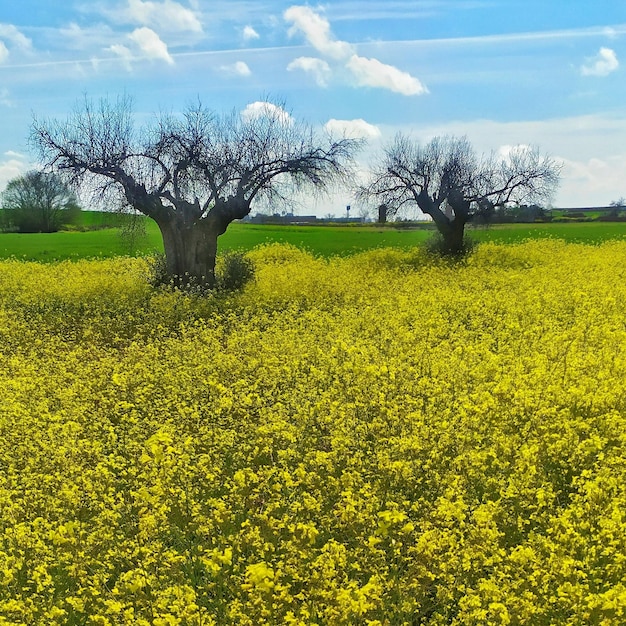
446,180
192,174
38,202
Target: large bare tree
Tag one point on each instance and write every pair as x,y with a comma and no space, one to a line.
446,180
194,173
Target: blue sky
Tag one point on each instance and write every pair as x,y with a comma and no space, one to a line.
547,73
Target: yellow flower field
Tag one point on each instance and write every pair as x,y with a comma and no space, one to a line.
375,440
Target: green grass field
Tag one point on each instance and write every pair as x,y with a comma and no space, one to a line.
321,240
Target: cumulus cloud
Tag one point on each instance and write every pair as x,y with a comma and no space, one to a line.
507,151
10,33
146,44
602,64
240,68
592,182
167,15
373,73
258,109
363,71
249,34
318,67
78,37
151,45
353,129
316,29
12,164
123,52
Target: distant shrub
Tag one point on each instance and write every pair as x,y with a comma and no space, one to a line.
565,219
38,202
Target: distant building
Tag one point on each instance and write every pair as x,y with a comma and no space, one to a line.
290,218
346,220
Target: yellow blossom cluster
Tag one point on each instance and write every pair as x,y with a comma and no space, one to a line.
380,439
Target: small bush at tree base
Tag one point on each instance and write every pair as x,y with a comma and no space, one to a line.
436,245
233,270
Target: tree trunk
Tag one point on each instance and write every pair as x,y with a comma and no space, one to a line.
453,234
190,251
451,229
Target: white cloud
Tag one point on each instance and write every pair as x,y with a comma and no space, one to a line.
167,15
13,164
74,36
316,29
507,150
367,72
145,44
592,182
151,45
77,37
354,129
373,73
240,68
249,34
602,64
121,51
10,33
256,110
318,67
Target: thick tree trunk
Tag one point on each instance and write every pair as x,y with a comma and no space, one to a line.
190,251
453,234
452,229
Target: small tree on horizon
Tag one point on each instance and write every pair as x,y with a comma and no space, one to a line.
194,173
38,202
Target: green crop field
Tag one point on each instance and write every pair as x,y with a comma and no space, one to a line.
575,232
106,241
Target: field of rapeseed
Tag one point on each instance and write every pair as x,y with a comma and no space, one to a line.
379,440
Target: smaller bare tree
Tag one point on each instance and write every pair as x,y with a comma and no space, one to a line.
446,180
